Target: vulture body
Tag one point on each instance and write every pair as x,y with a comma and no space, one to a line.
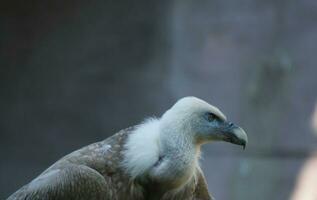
157,159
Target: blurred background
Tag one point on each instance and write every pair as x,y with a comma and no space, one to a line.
75,72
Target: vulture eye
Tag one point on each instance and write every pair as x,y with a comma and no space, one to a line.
211,117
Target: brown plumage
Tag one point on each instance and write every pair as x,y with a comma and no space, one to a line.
93,173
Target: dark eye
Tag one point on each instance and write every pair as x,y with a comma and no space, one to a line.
211,117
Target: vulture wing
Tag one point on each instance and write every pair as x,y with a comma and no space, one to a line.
91,172
69,182
201,189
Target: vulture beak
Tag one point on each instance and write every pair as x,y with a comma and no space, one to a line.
235,135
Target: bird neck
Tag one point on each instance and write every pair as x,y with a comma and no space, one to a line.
177,139
164,152
178,157
175,144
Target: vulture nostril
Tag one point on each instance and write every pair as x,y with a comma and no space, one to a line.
231,124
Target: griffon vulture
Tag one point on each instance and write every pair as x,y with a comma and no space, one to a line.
157,159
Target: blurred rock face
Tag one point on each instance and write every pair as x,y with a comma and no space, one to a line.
75,72
314,119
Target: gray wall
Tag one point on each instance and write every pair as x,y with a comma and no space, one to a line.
75,72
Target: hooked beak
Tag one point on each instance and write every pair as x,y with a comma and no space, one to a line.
235,135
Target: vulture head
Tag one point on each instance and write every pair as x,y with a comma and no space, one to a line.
202,122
